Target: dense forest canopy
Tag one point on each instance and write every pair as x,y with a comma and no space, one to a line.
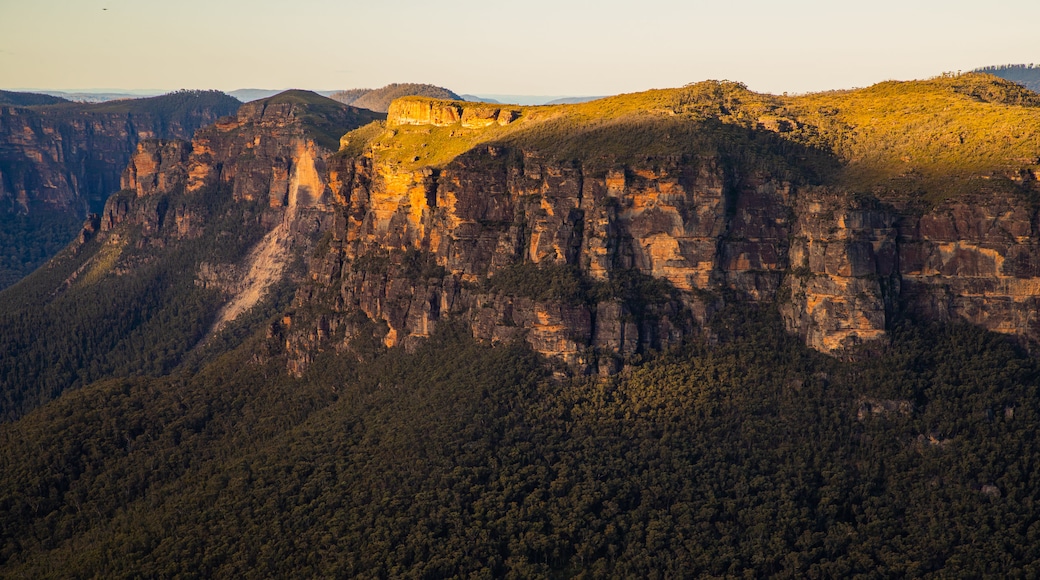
756,456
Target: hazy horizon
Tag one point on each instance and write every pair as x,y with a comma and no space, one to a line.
568,48
144,93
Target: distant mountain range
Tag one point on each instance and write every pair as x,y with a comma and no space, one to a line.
247,95
96,95
532,100
378,98
1027,75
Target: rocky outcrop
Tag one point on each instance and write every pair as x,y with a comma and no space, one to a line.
269,152
976,260
266,156
418,111
156,167
838,266
61,161
856,263
483,215
843,270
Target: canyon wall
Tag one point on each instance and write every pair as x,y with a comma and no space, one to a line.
70,156
589,263
839,267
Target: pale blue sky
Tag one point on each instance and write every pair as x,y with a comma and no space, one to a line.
577,47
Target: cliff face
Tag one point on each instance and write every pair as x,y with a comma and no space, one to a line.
70,156
838,266
856,263
681,221
590,260
268,156
59,162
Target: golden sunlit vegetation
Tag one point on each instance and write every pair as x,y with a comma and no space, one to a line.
103,261
951,135
1027,75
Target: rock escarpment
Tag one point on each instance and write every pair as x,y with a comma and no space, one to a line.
589,259
60,161
412,247
70,156
415,111
268,156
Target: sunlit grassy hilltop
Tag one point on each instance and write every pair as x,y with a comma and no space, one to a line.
944,136
951,134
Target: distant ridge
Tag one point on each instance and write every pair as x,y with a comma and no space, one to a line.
1027,75
476,99
530,99
378,100
247,95
18,99
573,100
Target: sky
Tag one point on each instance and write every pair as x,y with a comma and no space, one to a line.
533,47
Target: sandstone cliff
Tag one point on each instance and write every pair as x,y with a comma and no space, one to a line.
840,266
60,161
596,239
70,156
271,155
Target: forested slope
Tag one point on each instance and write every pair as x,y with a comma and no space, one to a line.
756,456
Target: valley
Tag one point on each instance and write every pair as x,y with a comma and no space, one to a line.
699,331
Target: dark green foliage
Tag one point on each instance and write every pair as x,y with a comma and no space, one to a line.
30,240
17,99
421,266
634,289
113,324
1027,75
566,283
174,108
542,282
755,458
